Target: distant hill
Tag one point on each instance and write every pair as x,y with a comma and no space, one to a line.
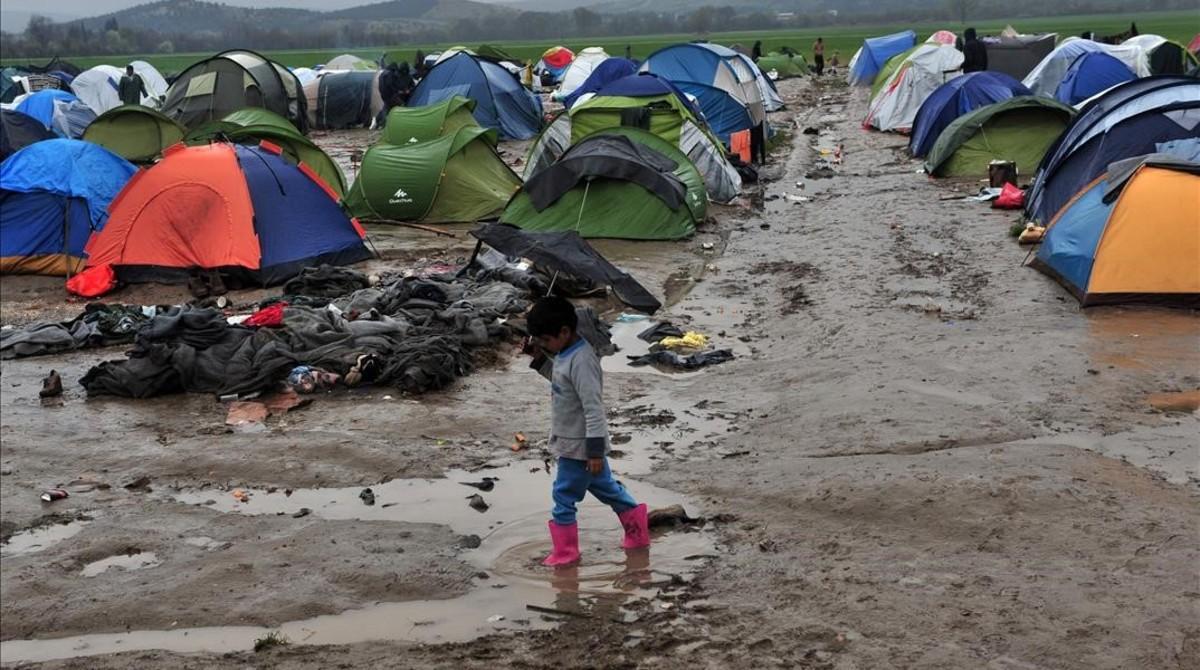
15,20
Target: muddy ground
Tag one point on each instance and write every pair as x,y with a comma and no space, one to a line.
925,455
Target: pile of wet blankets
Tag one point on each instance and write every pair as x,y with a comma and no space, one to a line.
663,357
422,329
100,325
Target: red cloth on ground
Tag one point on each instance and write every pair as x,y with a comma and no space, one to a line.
271,317
1011,197
93,282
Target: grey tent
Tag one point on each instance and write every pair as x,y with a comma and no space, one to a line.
232,80
1016,56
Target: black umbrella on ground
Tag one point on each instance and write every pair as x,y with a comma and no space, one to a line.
567,252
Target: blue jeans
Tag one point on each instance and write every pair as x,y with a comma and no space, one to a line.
574,481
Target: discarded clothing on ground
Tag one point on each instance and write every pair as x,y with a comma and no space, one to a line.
99,325
411,333
689,340
268,317
660,330
568,253
326,281
674,360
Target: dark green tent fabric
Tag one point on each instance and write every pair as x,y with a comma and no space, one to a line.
406,125
136,133
614,208
254,124
1018,129
494,52
457,178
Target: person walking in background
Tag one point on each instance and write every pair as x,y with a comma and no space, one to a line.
974,53
131,88
819,56
834,62
756,52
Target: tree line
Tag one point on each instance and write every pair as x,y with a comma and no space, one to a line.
44,38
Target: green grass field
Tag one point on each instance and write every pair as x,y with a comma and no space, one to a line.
1178,26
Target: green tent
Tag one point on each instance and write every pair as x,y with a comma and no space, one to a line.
888,68
616,183
496,53
406,125
667,115
136,133
1018,129
256,124
457,178
784,65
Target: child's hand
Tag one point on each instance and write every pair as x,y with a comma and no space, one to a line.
595,466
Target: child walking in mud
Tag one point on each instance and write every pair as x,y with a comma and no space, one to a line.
578,430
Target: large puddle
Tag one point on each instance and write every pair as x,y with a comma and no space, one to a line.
38,539
517,593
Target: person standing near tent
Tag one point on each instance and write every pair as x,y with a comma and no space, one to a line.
834,62
578,430
131,87
756,52
819,56
974,53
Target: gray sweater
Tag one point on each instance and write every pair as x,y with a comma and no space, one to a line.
578,426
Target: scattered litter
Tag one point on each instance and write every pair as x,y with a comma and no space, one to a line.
240,495
471,542
387,397
141,484
283,401
520,442
820,173
551,610
707,246
244,412
477,503
986,194
630,318
495,618
367,496
302,512
1032,234
51,386
798,198
485,485
689,340
54,494
674,360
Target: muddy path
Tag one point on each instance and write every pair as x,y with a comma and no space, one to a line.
925,455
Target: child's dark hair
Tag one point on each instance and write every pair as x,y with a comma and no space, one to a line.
550,315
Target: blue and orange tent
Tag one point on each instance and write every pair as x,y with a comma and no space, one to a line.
242,210
53,195
1089,74
1132,235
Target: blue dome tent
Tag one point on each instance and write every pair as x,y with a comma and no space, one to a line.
18,131
1091,73
605,73
1139,117
501,103
876,51
724,82
53,194
955,98
40,105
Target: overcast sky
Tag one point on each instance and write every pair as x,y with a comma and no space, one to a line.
95,7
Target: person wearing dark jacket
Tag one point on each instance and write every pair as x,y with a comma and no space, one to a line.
756,51
974,53
131,89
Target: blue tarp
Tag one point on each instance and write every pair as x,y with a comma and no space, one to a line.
1090,74
956,98
289,242
875,52
57,189
40,105
1129,120
609,70
501,103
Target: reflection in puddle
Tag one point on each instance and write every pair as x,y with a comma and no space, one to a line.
1144,338
518,593
136,561
37,539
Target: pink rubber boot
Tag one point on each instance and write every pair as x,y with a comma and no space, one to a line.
637,527
566,545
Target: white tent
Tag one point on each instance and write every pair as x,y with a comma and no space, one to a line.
920,74
350,62
304,74
97,87
1045,78
155,83
579,69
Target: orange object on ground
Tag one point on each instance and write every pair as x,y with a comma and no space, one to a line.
739,145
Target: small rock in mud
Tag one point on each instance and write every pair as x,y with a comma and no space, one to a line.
477,503
302,512
367,496
470,542
671,517
141,484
